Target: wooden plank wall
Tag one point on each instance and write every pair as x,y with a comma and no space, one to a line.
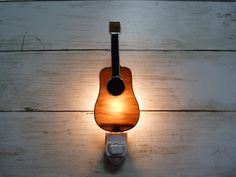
145,25
183,60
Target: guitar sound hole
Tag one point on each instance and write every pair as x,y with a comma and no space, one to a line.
115,86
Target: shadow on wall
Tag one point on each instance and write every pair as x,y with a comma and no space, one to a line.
109,167
105,167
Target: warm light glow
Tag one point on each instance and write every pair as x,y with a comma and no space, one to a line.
116,113
116,105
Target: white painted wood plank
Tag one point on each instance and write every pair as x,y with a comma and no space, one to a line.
145,25
161,80
162,144
115,0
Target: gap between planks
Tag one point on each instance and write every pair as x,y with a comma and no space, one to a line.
23,1
128,50
91,112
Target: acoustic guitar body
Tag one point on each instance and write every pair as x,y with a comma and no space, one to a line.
116,113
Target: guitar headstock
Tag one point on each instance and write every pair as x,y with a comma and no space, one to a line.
114,27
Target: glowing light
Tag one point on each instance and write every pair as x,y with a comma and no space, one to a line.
116,105
116,113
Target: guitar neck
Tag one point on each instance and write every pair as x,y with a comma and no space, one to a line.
115,59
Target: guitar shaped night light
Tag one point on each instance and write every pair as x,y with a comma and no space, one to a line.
116,108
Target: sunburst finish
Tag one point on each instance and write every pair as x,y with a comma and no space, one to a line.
116,113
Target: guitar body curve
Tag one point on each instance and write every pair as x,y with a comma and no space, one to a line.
116,113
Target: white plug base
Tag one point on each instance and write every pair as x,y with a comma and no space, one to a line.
116,147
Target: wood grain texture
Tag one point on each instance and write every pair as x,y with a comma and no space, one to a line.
161,80
115,0
121,107
162,144
145,25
